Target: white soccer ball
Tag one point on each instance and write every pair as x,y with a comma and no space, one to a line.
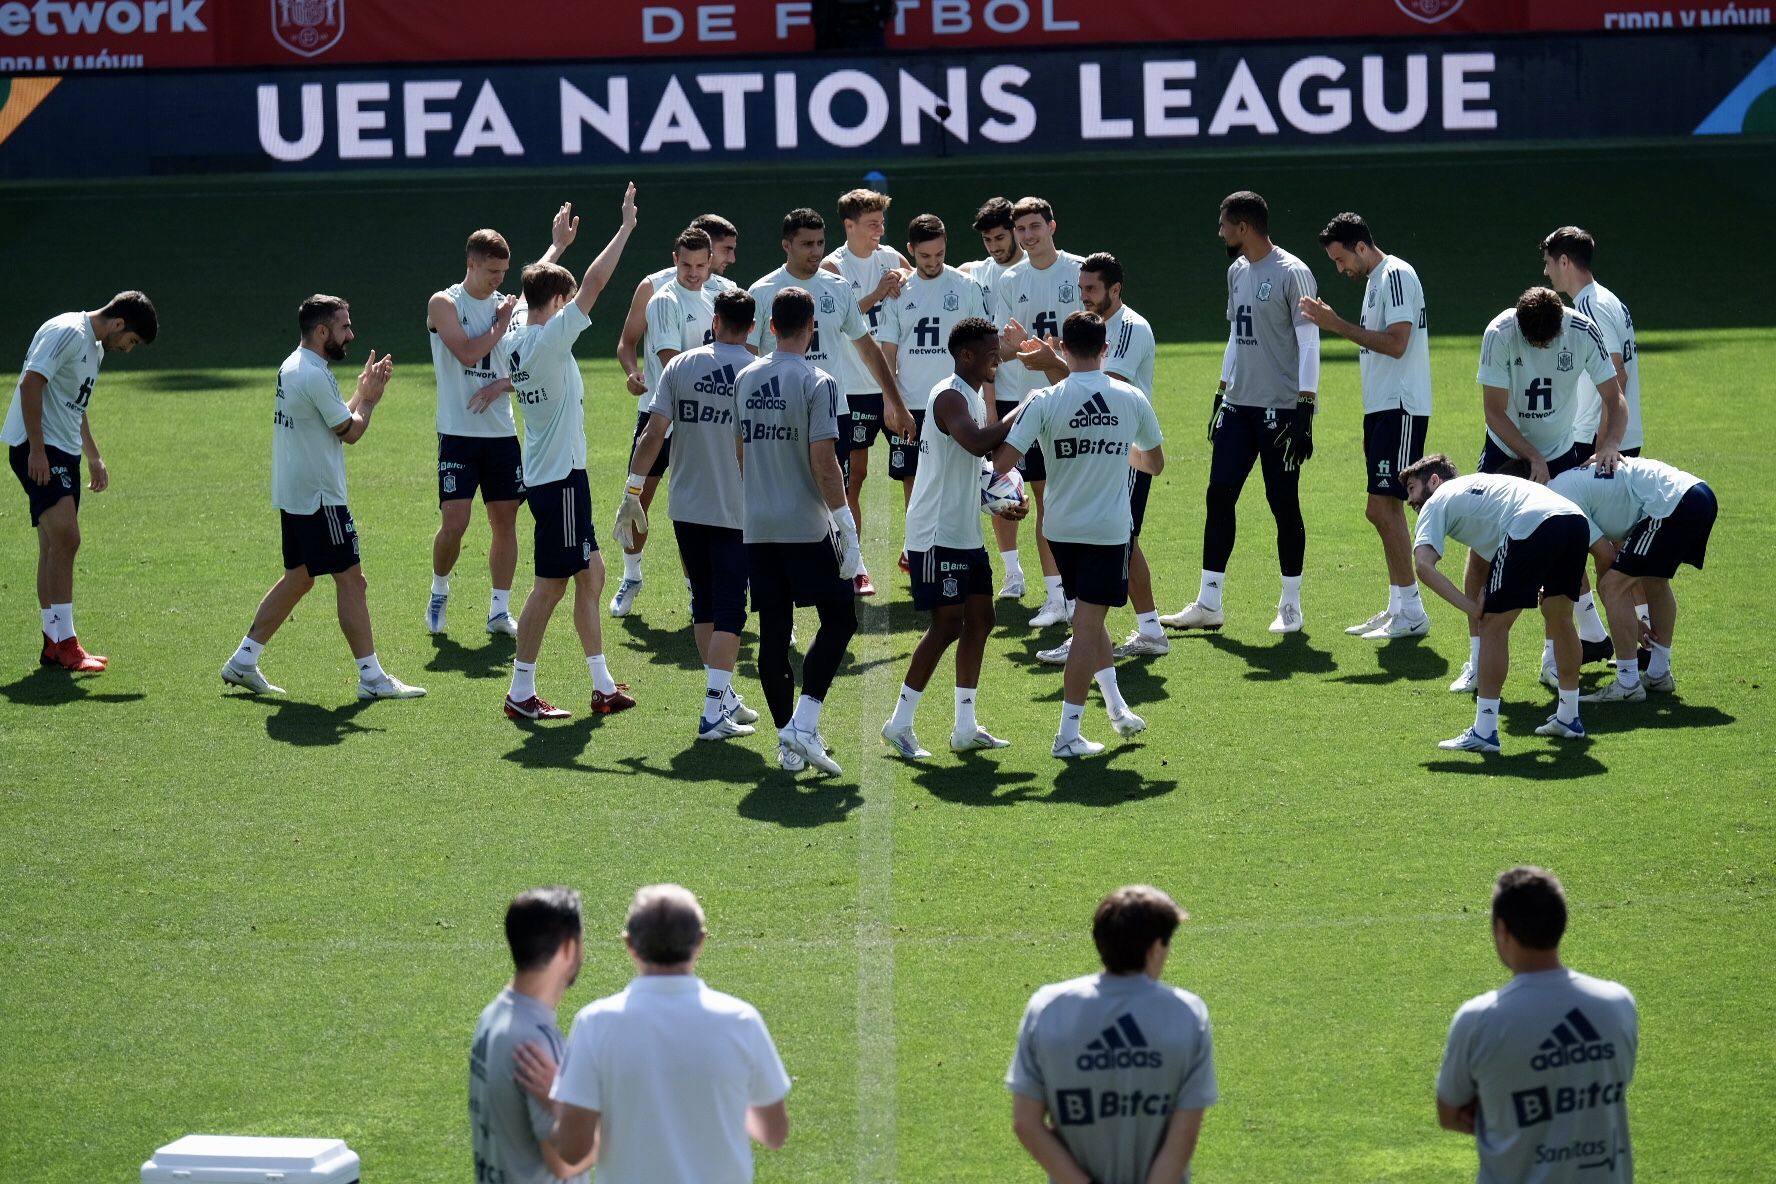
1001,491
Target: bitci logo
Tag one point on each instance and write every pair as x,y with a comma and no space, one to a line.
308,28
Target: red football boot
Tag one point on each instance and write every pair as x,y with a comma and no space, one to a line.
618,700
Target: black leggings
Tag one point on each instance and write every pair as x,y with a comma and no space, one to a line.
838,621
1245,435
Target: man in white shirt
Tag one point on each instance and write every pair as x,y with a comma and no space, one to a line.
546,384
1092,428
1538,1070
1533,543
47,431
993,222
1394,356
478,441
1566,262
310,427
673,1079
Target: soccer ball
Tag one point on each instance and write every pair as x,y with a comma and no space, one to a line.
1001,491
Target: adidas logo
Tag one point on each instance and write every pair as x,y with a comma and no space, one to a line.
1023,300
1573,1042
1121,1046
719,382
1094,414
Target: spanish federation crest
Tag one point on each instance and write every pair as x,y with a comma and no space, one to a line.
1563,361
859,433
1066,292
827,304
952,302
308,28
1264,290
950,588
449,482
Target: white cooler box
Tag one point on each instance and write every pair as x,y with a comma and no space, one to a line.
249,1159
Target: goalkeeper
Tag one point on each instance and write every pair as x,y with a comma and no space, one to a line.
946,553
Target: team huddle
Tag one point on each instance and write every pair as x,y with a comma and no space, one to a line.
1018,383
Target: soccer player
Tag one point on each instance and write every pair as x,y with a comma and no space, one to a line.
914,332
639,354
479,448
1394,356
1030,300
1538,1070
546,383
1649,518
47,431
801,540
836,320
1092,427
1531,360
993,223
1566,262
512,1132
952,577
695,398
1122,1036
875,274
1535,542
310,427
1263,412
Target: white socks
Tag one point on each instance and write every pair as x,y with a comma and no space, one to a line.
1071,713
1486,717
58,622
1055,594
1291,592
1114,703
601,675
1474,653
905,707
631,567
1660,665
1404,601
715,697
1148,624
1590,624
1568,711
370,670
1014,564
501,604
965,697
1208,593
247,656
1628,672
440,585
524,681
807,715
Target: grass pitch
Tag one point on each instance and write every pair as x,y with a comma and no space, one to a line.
281,916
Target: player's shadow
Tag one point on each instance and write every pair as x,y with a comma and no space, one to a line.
492,660
309,725
1526,755
1091,781
51,686
1140,680
1658,711
1401,660
795,800
185,381
556,745
676,647
1287,656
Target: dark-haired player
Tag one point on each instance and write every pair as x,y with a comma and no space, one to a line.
993,223
47,431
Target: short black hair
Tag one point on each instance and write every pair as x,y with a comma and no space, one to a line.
971,331
1347,230
317,310
1532,904
802,218
691,239
994,214
792,310
736,308
538,922
1436,465
715,226
1129,921
1245,206
1104,265
925,228
1083,334
1540,312
1573,242
136,312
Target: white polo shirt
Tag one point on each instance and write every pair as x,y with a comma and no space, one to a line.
671,1066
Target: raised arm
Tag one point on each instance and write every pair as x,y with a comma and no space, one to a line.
372,383
561,233
598,273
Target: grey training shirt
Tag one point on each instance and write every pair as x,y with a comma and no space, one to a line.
507,1125
1264,308
785,405
696,395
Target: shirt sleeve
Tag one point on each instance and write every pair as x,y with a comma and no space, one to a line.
556,339
853,326
665,320
576,1076
1029,424
1025,1075
1197,1089
1298,281
1430,531
1607,322
761,325
1230,270
888,327
1597,361
974,301
1455,1080
659,400
1399,299
767,1081
1492,370
325,398
50,351
1147,433
1001,302
823,408
542,1119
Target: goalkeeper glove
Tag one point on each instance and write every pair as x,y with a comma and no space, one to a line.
1215,417
631,516
1297,439
850,550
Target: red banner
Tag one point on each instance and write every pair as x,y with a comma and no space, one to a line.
58,36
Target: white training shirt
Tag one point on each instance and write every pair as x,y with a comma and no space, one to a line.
836,318
307,455
918,323
945,509
1131,349
1542,385
1393,295
67,353
1086,424
1039,299
862,273
651,343
458,383
1606,310
546,385
986,273
1614,502
671,1067
1483,510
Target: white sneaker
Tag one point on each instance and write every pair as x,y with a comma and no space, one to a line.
1615,692
1056,656
502,623
903,742
1053,612
1400,626
724,727
1127,724
1375,622
1288,619
1573,729
808,746
1467,682
435,613
1659,684
737,708
788,759
1194,616
1471,741
1141,645
624,601
248,677
388,687
1013,588
1078,746
1550,677
977,739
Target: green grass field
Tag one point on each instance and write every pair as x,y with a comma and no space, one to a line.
223,914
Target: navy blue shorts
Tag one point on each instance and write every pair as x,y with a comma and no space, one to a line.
64,478
866,421
903,455
1656,546
1550,562
1032,465
660,459
1096,573
1493,458
1246,436
1140,485
1392,440
799,574
489,463
945,575
325,542
714,559
564,541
